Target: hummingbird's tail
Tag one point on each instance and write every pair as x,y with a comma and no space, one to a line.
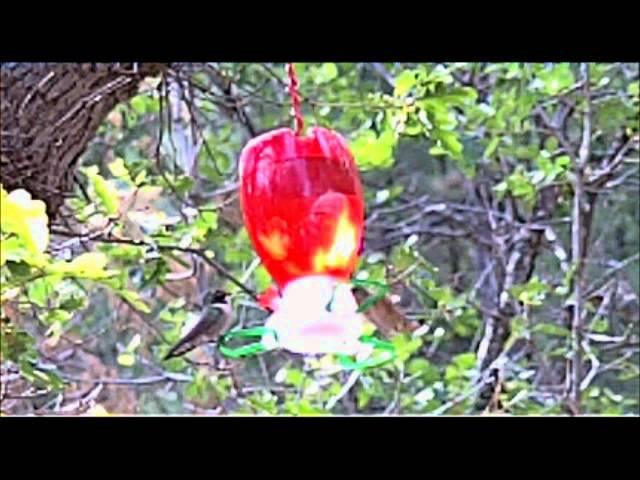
180,349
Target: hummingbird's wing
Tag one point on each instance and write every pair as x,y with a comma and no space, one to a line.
384,315
214,323
189,342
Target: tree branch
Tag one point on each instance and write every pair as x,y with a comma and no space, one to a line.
577,250
139,243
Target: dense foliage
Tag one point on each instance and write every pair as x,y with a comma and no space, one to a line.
502,209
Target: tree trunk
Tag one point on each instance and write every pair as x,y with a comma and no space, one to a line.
49,114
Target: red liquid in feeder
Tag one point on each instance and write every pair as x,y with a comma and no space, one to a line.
313,233
304,213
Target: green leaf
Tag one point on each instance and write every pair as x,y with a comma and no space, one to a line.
304,407
104,189
40,290
262,278
491,148
501,188
15,344
459,96
143,104
551,329
528,152
58,316
544,163
614,112
450,143
437,150
207,221
418,365
532,292
363,397
442,295
328,72
563,161
465,361
439,112
551,144
73,303
452,373
520,186
134,299
439,75
406,346
13,250
557,78
140,177
404,82
600,325
20,270
183,184
428,373
374,152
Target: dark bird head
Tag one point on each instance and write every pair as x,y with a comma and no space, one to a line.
360,293
213,297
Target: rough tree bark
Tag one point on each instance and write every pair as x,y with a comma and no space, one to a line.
49,114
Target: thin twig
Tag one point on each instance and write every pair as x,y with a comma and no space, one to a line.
459,399
353,378
195,251
396,393
166,377
597,284
595,365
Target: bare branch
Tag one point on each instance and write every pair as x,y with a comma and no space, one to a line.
166,377
353,378
577,253
382,72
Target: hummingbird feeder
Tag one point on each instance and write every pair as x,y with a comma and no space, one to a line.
303,207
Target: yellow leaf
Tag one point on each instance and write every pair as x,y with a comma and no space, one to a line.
26,218
118,169
97,411
88,265
90,261
126,359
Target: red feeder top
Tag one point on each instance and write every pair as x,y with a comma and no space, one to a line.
302,204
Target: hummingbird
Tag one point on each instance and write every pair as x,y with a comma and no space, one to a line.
384,315
216,320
